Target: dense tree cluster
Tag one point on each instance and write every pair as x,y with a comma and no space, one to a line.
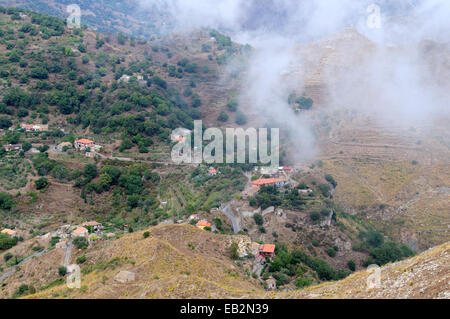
381,252
294,265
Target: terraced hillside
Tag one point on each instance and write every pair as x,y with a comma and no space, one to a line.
166,266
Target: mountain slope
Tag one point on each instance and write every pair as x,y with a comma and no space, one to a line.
166,267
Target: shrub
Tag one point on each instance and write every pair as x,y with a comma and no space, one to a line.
24,290
218,223
315,217
80,242
331,180
90,171
302,282
234,250
258,219
351,265
62,271
7,256
331,252
41,183
6,201
390,252
81,259
223,117
5,123
146,234
241,119
324,189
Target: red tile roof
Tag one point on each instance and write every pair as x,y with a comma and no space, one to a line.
268,248
84,141
203,223
80,230
267,181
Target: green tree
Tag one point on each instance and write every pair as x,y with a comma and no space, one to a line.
234,250
6,201
223,117
241,119
80,242
351,265
41,183
258,219
62,271
90,171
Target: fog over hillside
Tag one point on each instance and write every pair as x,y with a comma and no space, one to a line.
393,82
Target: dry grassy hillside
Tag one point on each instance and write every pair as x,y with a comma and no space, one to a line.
174,262
166,266
424,276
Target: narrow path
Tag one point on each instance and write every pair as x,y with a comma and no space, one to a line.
234,221
13,269
68,253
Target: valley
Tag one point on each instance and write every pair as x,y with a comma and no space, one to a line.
86,118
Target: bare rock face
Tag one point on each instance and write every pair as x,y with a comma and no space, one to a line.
125,277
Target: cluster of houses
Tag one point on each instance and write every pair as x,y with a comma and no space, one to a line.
83,231
260,254
34,127
256,185
85,144
126,79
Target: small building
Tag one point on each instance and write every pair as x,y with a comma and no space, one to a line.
83,144
9,232
13,147
271,284
193,217
124,79
267,251
203,223
63,146
279,182
212,171
268,170
80,232
95,225
34,127
180,134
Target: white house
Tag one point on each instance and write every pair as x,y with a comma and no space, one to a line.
80,232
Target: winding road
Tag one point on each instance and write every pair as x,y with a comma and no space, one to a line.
234,221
